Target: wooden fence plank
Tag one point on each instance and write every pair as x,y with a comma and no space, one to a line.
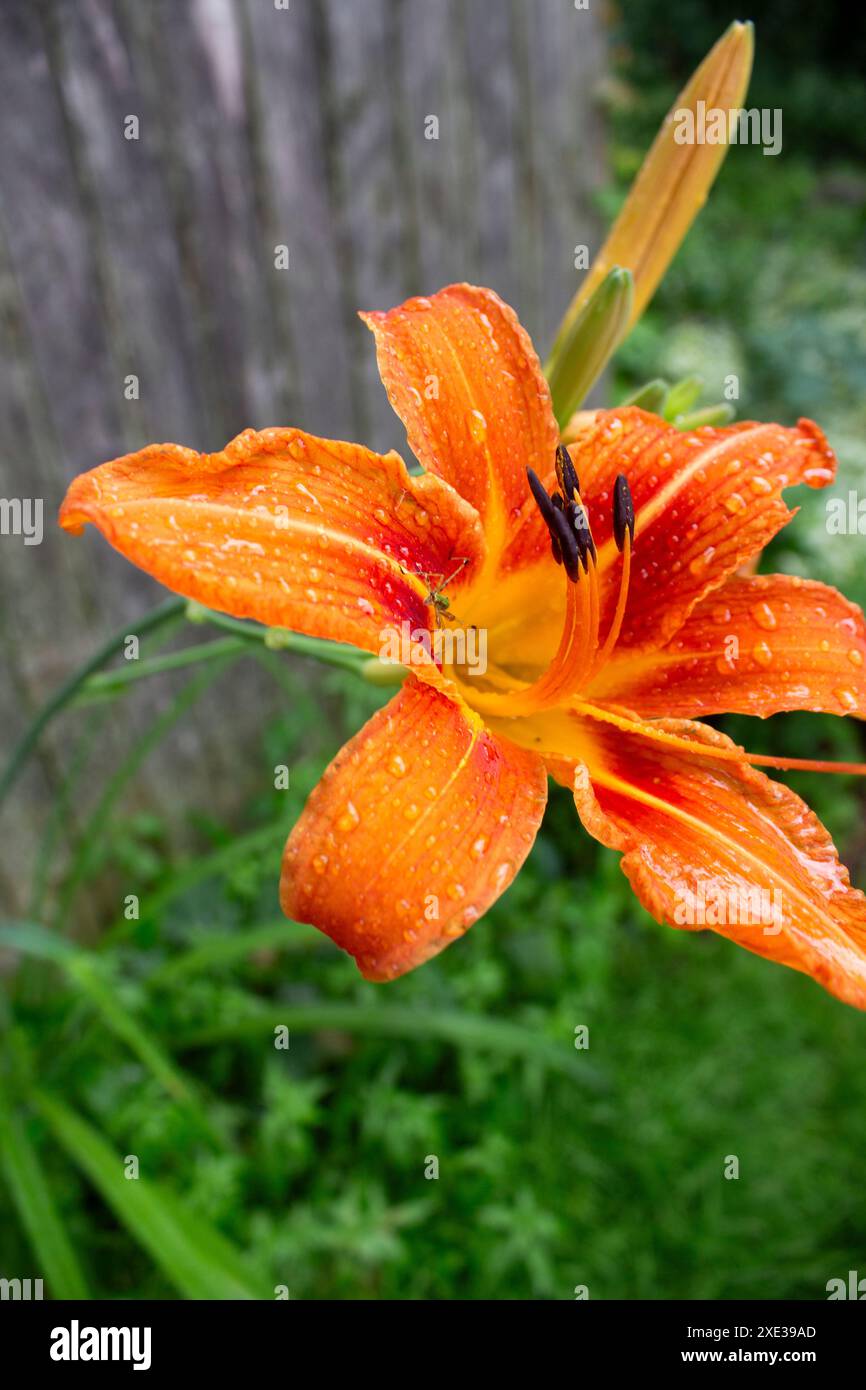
259,124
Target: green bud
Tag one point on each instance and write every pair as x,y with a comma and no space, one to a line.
590,343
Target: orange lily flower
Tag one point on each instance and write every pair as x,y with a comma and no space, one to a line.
597,667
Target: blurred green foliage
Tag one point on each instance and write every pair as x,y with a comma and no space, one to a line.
305,1167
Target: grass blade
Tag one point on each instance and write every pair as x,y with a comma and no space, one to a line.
91,835
197,1260
87,972
411,1024
34,1202
221,949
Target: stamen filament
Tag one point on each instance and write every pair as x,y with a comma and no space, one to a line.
616,625
709,750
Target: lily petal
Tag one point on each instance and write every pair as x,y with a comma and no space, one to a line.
688,824
755,646
417,826
323,537
462,374
704,502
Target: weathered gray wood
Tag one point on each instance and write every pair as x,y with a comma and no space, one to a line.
258,127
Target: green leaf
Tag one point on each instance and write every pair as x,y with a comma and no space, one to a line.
682,396
98,985
198,870
415,1025
651,396
720,414
196,1259
92,834
220,949
34,1202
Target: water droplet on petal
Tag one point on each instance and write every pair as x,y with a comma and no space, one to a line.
397,766
763,616
503,873
855,656
700,563
477,426
350,817
762,654
847,699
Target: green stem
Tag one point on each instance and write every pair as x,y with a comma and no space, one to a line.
109,682
86,680
25,745
282,639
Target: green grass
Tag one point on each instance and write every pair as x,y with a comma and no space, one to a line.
305,1167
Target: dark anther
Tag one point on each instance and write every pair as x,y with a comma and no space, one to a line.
545,503
623,511
566,473
565,536
566,545
556,549
580,523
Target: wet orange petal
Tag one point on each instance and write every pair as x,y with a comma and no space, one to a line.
704,500
417,826
323,537
719,845
463,376
755,646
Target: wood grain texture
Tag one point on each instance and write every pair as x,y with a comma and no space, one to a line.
258,127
